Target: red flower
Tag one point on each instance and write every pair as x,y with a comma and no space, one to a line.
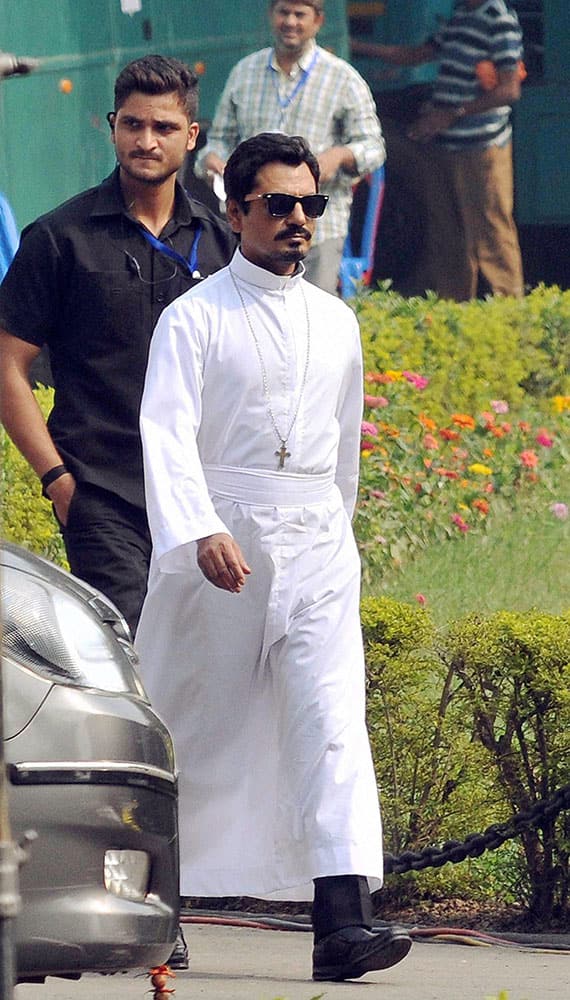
421,598
447,473
449,435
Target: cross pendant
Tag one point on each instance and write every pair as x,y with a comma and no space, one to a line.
283,454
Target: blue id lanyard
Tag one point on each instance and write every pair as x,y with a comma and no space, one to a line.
305,74
190,264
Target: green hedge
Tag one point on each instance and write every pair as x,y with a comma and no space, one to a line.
26,516
497,348
470,724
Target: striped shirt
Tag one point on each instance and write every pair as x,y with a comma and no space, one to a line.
490,32
324,99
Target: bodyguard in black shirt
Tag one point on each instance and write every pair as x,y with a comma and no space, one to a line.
90,280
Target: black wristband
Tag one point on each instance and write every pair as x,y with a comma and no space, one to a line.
50,477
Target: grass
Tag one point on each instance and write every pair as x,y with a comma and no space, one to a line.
522,561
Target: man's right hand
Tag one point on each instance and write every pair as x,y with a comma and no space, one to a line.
61,493
222,563
16,65
213,164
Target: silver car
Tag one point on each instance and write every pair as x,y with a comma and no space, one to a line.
91,771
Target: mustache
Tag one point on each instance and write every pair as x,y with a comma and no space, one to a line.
285,234
144,156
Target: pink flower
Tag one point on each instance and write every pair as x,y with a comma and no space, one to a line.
378,494
375,402
418,381
421,598
560,510
460,523
544,438
367,428
430,442
500,405
529,459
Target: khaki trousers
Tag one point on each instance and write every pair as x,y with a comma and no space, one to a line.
467,234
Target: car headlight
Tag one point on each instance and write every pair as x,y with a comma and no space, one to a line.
58,636
127,873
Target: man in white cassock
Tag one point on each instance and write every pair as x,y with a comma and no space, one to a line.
250,640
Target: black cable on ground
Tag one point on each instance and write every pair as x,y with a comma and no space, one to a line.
559,943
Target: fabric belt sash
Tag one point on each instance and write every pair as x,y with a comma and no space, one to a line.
268,489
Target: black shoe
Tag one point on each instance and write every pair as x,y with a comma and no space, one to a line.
179,958
353,951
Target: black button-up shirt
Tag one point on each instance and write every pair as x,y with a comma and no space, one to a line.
86,282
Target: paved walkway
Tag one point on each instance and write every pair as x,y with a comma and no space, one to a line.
234,963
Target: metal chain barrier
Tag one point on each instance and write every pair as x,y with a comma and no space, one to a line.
476,843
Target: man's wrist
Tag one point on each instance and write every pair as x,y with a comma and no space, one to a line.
49,477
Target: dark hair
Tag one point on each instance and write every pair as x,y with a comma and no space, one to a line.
159,75
317,5
268,147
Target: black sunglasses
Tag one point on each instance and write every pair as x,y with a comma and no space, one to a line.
281,205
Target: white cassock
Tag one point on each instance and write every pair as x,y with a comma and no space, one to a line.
264,690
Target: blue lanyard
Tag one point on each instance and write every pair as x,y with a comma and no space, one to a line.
190,264
305,74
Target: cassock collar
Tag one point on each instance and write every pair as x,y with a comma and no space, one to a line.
255,275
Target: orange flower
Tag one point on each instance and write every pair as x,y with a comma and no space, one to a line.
482,506
464,420
488,452
427,422
524,427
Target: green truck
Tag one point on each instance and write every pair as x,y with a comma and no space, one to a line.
55,139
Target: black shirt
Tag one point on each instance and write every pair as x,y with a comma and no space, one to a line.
87,282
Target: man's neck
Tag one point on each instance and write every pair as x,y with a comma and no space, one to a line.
287,58
153,205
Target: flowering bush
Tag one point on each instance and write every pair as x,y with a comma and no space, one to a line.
498,348
424,479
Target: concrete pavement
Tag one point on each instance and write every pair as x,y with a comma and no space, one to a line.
236,963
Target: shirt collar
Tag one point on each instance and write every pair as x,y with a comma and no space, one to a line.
255,275
109,201
303,63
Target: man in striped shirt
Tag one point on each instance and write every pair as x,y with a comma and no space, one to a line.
299,88
466,123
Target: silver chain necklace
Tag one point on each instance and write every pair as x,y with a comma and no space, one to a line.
282,453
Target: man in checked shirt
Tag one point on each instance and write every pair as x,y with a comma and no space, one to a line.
299,88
